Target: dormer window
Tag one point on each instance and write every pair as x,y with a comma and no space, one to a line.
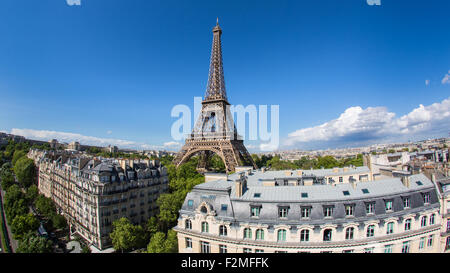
203,209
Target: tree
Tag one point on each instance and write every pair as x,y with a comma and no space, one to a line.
126,236
7,180
22,224
59,222
171,243
157,243
25,171
17,155
31,194
32,243
152,226
15,203
45,206
326,162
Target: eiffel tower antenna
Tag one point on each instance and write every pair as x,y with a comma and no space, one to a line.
215,132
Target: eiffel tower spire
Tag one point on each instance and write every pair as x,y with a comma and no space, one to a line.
215,89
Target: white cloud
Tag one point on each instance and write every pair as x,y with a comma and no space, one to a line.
46,135
427,82
358,124
108,132
446,78
73,2
172,144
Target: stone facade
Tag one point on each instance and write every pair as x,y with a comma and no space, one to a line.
91,193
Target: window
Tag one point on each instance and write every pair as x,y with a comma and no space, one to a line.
390,228
388,205
203,209
388,248
224,207
247,250
346,193
370,231
423,221
349,233
188,224
188,242
447,243
281,235
205,227
365,191
190,203
305,212
369,250
257,195
406,202
432,219
255,211
328,211
247,233
205,248
405,247
347,251
426,198
259,251
304,195
349,210
304,235
407,224
223,230
327,234
448,224
222,249
259,234
370,208
341,179
282,212
430,241
422,243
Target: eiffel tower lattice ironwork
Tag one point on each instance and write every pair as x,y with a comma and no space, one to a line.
215,132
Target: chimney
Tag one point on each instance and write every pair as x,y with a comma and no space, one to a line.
132,163
241,185
299,172
263,169
288,173
433,178
406,181
353,183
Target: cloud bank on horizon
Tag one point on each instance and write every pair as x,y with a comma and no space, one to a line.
358,125
46,135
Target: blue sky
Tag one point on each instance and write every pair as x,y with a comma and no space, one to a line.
113,70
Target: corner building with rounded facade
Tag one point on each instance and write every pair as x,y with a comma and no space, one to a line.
277,211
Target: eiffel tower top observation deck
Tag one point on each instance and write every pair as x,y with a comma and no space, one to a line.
215,89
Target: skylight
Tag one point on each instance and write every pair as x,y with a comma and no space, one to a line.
304,195
365,191
346,193
419,183
257,195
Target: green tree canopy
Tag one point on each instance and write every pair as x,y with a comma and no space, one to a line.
45,206
58,221
17,155
22,224
7,180
31,194
25,171
126,236
157,243
32,243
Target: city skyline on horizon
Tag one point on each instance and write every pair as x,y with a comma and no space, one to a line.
116,107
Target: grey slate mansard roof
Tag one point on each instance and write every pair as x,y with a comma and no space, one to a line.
222,192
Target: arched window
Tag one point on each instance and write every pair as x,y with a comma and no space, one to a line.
423,222
247,233
281,235
408,224
327,234
370,231
390,228
259,234
223,230
349,233
205,227
304,235
432,219
203,209
188,224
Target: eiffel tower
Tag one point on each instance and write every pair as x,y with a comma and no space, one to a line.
215,132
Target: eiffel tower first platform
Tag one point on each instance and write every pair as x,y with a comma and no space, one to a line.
215,132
